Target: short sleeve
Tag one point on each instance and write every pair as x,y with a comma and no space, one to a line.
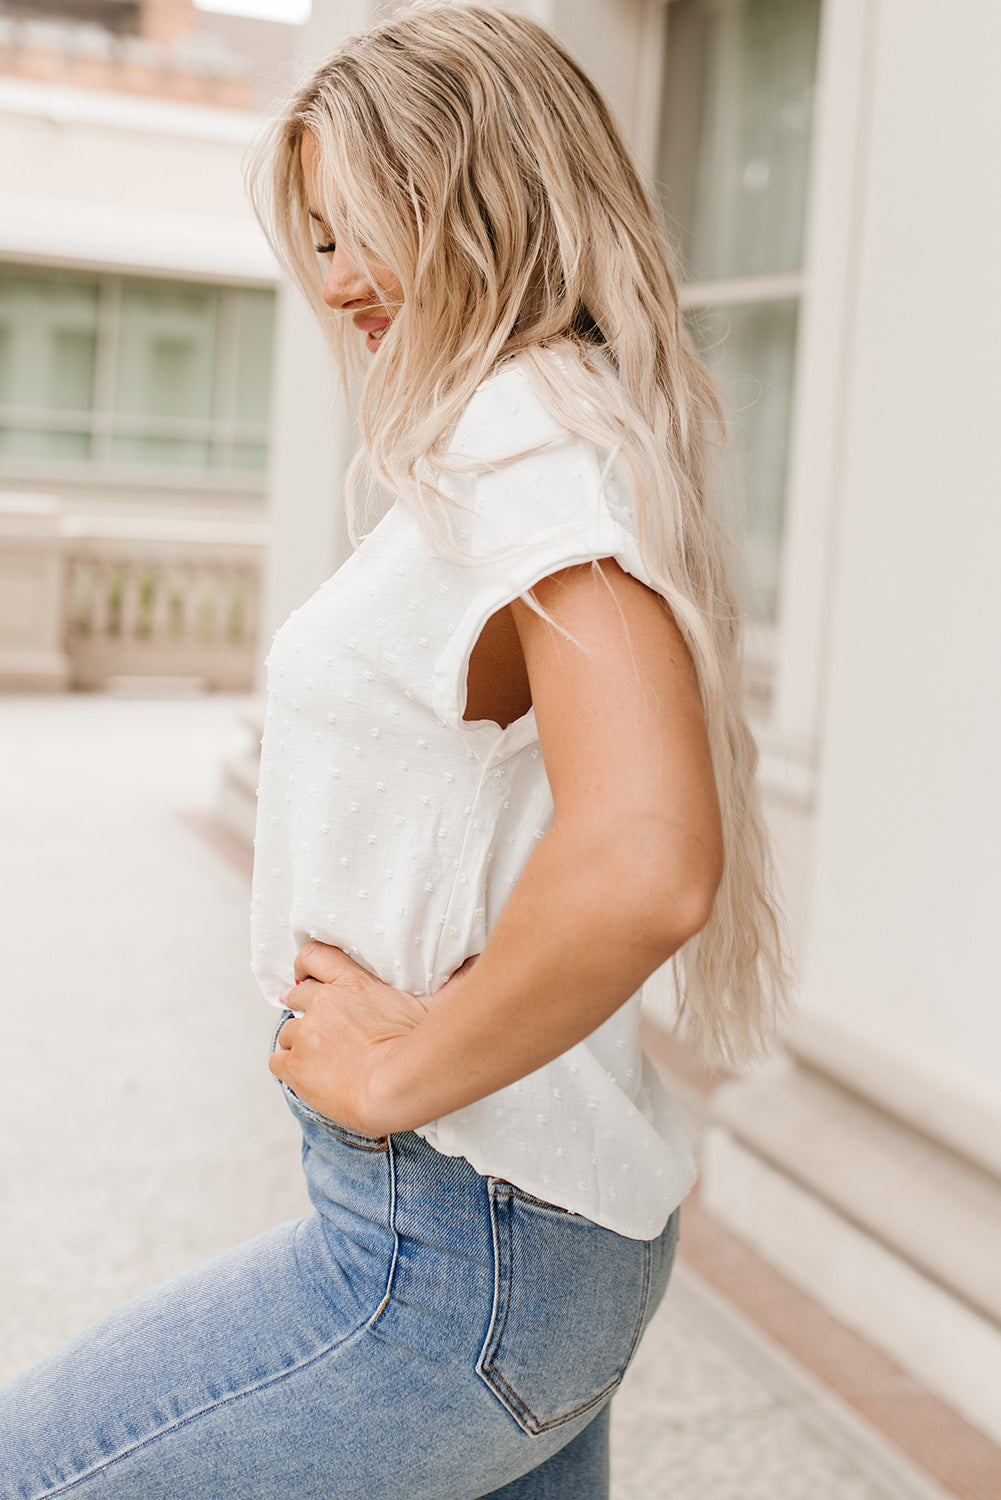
560,503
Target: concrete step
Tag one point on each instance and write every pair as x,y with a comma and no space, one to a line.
891,1231
236,800
938,1211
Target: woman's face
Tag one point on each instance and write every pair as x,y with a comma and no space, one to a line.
348,289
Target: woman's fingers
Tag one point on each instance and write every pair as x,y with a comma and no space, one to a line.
314,960
321,961
279,1061
298,996
428,1001
285,1034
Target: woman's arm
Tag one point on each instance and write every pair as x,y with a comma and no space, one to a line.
626,873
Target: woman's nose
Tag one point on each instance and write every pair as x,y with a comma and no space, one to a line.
345,284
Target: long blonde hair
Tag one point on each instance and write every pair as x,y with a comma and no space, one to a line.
462,147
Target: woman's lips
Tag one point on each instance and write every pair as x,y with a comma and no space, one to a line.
373,329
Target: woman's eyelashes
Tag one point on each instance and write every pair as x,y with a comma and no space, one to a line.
326,249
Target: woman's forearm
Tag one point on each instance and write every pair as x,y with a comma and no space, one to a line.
589,920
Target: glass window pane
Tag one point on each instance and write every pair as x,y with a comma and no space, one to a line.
166,354
28,442
170,402
751,351
250,457
255,343
48,340
71,381
174,452
736,132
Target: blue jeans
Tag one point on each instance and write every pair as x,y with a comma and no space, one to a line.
426,1334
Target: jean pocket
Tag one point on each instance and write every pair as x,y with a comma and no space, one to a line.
570,1303
305,1112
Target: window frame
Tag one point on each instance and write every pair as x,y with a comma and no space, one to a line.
753,289
788,659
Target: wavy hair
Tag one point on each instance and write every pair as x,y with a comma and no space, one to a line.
463,148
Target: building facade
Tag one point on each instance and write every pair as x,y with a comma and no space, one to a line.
136,291
137,330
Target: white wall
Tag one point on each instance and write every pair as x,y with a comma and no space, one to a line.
620,45
135,184
906,877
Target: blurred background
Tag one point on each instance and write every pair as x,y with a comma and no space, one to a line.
170,464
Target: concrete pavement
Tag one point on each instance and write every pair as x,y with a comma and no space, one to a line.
140,1130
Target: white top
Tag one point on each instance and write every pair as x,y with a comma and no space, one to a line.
391,828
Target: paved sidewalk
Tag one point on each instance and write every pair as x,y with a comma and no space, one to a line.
711,1410
140,1130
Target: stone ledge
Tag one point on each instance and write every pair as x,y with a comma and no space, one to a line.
953,1350
929,1430
937,1211
887,1222
957,1113
236,800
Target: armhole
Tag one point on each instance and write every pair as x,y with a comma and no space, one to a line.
519,576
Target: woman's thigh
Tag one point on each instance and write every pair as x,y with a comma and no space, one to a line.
426,1332
580,1471
205,1385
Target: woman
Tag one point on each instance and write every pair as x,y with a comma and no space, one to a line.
504,778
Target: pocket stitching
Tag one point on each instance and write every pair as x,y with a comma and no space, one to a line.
500,1191
339,1132
502,1301
531,1201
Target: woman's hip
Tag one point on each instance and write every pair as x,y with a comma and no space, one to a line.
543,1306
425,1322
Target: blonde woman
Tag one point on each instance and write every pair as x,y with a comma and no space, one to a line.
504,778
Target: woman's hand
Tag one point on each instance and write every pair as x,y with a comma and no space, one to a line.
350,1023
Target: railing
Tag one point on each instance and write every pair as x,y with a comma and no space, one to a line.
162,599
91,601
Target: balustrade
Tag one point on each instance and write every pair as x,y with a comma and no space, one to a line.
101,598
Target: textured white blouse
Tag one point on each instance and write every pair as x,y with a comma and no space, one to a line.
395,830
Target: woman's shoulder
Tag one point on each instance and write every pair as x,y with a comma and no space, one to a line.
506,416
517,470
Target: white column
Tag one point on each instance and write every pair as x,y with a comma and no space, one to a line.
32,594
311,437
872,1175
825,358
620,44
907,887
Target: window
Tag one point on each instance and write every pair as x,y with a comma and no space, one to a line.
133,374
733,164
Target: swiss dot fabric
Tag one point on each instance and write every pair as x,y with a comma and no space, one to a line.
394,829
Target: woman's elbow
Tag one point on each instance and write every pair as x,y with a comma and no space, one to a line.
674,913
677,886
690,909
